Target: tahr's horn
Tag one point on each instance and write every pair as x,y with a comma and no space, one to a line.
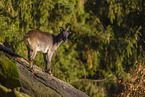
61,28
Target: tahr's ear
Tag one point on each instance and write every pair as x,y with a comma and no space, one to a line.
61,29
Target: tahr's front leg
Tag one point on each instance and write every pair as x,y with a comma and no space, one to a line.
50,67
49,56
45,61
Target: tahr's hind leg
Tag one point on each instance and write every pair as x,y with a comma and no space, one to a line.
31,56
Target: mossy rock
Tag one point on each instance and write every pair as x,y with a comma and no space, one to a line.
5,92
9,75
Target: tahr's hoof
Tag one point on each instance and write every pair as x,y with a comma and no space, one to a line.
48,72
31,69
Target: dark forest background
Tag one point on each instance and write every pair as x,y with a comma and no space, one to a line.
104,55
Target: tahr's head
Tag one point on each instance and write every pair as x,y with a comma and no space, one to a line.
64,34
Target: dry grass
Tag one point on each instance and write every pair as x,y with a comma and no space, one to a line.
135,87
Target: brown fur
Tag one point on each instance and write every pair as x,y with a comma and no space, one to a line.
47,43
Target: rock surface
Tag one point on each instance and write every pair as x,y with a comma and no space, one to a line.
38,83
41,84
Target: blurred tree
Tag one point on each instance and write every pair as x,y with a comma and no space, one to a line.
107,37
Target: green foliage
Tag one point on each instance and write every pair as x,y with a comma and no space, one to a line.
91,87
107,37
